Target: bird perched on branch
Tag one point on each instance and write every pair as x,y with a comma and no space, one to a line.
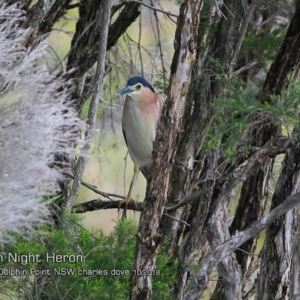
141,113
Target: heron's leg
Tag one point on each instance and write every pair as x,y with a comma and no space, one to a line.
129,198
136,171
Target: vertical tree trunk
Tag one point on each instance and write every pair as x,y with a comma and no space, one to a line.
149,233
276,271
279,260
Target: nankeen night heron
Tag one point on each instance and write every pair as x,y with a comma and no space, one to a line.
141,113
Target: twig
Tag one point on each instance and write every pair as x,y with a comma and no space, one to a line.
67,32
71,6
139,45
187,200
61,62
243,31
156,9
76,42
94,188
97,204
159,45
180,221
124,173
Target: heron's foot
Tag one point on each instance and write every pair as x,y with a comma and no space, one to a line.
128,200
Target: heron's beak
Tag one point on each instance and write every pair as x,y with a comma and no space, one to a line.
126,90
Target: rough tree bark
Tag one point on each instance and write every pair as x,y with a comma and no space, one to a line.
149,234
276,270
220,41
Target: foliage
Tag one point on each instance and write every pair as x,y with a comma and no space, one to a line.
239,107
260,46
161,83
91,275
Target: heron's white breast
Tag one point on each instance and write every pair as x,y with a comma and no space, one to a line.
139,129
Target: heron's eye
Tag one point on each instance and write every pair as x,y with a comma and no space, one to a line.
138,87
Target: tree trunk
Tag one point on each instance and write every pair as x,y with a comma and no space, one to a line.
149,233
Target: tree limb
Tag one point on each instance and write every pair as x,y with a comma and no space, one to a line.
94,189
156,9
97,204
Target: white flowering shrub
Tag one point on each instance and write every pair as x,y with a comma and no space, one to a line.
37,122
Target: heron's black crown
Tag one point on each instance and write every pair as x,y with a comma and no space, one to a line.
138,79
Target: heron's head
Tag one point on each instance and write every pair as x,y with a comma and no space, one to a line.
136,87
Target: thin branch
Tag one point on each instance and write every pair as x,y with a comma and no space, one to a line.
98,204
243,31
94,189
271,149
139,45
156,9
72,6
67,32
159,46
76,42
187,200
244,68
61,62
180,221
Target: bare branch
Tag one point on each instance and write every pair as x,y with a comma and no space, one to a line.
94,188
243,31
160,47
218,226
41,22
97,204
156,9
241,173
